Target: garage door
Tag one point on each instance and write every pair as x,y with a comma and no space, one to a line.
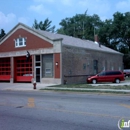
23,69
5,69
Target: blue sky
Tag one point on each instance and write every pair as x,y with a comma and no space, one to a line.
25,11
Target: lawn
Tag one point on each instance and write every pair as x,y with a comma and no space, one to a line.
105,86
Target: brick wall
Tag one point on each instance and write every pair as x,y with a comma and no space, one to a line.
78,63
32,42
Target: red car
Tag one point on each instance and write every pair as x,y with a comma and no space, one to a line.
107,76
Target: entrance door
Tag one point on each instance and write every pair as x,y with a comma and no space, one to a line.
38,74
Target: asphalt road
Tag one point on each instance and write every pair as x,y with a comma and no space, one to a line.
61,111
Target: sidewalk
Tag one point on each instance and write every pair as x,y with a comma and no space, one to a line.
22,86
29,87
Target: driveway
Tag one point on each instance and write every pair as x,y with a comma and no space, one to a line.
126,82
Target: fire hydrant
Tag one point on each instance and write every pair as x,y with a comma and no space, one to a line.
34,85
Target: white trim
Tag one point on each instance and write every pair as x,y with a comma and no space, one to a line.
18,42
30,30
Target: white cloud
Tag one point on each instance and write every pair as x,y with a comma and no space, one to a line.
6,19
7,22
39,9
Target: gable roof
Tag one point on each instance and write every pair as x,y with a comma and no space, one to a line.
77,42
66,40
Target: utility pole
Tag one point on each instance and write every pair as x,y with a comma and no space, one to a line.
83,31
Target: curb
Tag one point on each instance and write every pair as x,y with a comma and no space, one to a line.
88,90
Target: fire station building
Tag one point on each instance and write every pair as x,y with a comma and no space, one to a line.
28,55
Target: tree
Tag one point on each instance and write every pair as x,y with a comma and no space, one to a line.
46,25
105,34
80,25
2,33
120,32
126,61
115,33
35,25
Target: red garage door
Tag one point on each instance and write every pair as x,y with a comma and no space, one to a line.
23,69
5,69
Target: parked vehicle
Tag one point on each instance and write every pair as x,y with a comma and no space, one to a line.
127,75
107,76
127,72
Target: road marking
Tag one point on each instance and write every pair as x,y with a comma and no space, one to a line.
125,105
83,113
31,103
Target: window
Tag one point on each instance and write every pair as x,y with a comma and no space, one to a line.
113,73
20,42
109,73
116,73
102,74
37,60
95,66
47,69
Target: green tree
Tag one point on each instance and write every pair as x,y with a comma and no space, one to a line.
2,33
46,25
105,34
120,30
126,61
115,33
36,24
80,25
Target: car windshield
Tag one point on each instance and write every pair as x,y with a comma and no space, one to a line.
101,74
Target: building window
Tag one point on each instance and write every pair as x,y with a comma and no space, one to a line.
20,42
47,68
37,60
95,66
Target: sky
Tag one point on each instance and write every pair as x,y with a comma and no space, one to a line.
26,11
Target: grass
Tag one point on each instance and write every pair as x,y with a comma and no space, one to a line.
90,91
91,88
125,87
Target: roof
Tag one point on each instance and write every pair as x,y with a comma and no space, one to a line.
77,42
67,40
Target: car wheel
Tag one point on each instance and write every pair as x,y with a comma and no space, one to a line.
117,81
94,81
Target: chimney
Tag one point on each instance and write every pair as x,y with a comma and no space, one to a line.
97,40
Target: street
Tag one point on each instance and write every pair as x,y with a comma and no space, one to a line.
44,110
